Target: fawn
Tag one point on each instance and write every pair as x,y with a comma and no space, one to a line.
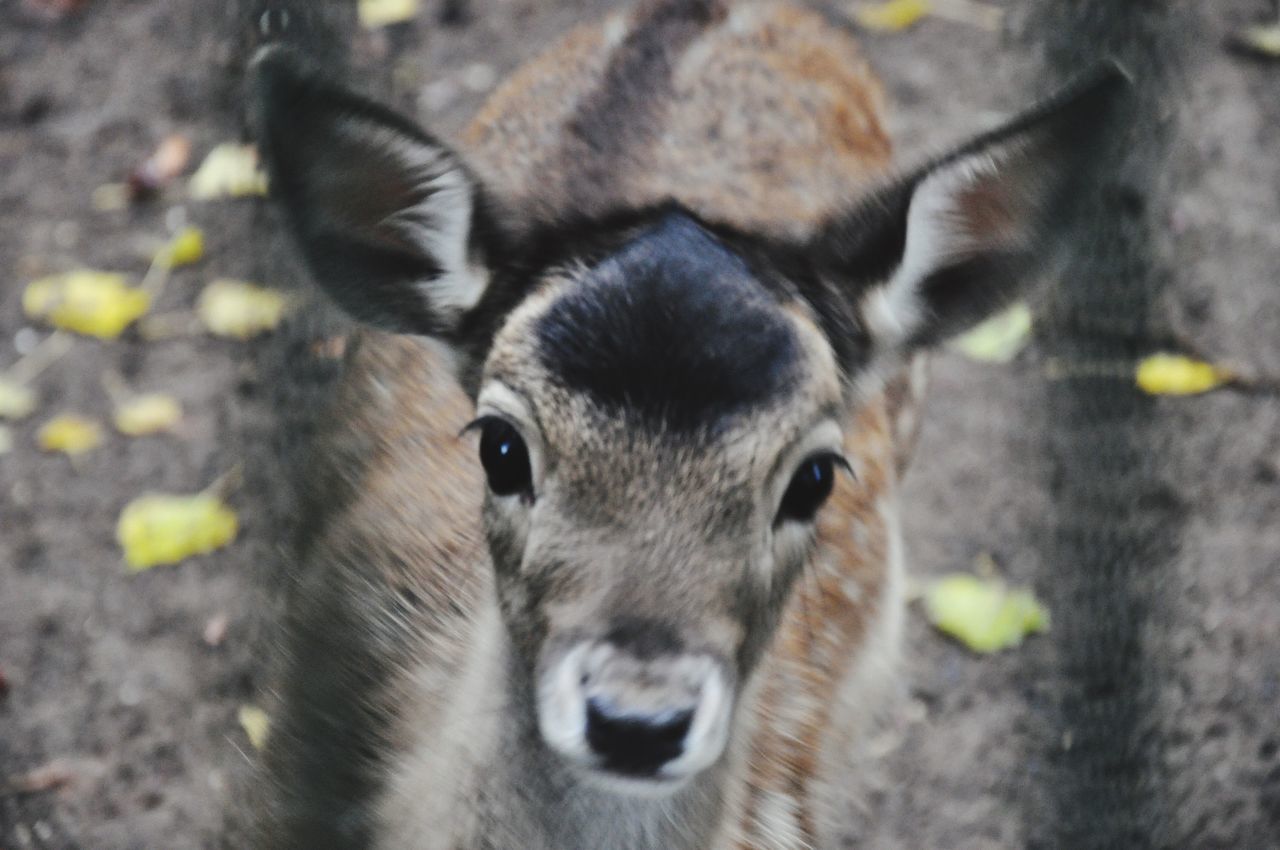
676,295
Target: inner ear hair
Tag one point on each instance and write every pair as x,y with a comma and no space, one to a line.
939,250
391,222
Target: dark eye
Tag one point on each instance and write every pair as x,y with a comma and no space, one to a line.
809,488
505,458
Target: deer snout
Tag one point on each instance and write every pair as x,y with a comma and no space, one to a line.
636,744
633,716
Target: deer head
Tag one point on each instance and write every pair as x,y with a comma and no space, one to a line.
660,400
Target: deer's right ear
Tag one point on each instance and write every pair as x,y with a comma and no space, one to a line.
389,220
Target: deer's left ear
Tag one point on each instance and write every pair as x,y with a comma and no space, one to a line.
955,241
390,221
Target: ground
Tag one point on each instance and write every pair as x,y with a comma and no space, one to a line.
109,675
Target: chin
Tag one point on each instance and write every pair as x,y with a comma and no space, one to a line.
649,786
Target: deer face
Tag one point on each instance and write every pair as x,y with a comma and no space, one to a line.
659,399
659,428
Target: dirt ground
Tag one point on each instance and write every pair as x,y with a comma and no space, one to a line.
109,676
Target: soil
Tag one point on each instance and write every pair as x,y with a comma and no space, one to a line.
109,676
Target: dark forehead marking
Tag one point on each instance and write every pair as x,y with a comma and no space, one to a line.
673,328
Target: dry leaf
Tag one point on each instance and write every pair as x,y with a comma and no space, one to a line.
241,310
215,630
50,777
229,171
110,197
890,16
1174,374
93,303
147,414
16,400
256,725
185,248
70,434
983,614
975,13
998,339
159,529
52,10
169,159
381,13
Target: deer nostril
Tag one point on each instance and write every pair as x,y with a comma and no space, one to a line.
636,744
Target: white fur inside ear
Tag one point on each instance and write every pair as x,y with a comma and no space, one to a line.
891,313
940,230
441,226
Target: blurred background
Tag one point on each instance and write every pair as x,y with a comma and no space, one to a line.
1144,716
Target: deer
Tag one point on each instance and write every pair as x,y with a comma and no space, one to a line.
601,543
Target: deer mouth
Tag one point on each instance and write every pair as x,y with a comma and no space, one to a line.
635,726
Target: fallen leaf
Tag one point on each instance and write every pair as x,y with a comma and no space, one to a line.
169,159
229,171
16,400
238,309
152,413
215,630
159,529
975,13
185,248
93,303
70,434
998,339
890,16
329,348
255,723
52,10
49,777
110,197
1174,374
6,444
1260,40
381,13
983,614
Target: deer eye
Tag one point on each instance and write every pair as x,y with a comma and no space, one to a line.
505,458
810,486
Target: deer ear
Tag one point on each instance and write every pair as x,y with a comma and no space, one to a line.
957,240
389,220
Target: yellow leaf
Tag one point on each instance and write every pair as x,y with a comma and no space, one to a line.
890,16
16,400
147,414
998,339
186,247
255,723
6,440
70,434
237,309
1263,39
161,529
1173,374
983,614
93,303
230,170
380,13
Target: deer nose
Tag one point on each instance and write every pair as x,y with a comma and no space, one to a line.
636,744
